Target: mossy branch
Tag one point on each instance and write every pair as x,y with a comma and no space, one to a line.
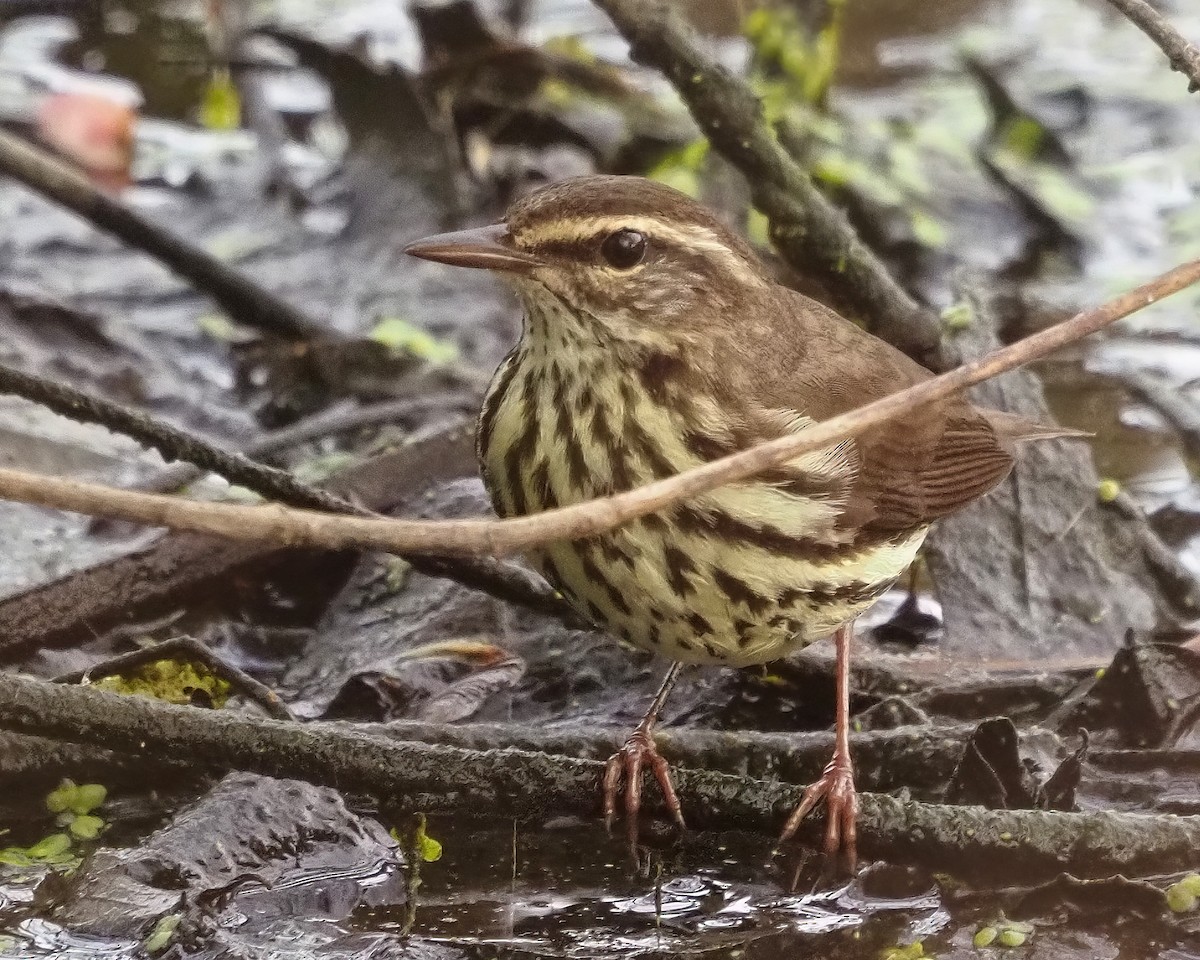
516,783
808,230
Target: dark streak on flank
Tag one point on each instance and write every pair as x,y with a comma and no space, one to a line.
698,624
706,447
554,577
485,426
564,426
645,448
739,591
587,397
789,598
523,447
592,571
617,463
856,592
515,460
577,468
826,594
655,522
718,523
679,565
612,551
539,480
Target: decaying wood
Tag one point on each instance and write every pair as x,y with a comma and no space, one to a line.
524,785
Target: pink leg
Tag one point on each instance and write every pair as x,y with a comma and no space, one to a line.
836,786
627,763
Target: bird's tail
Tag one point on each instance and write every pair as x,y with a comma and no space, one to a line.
1018,429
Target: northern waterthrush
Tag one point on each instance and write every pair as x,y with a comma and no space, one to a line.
654,340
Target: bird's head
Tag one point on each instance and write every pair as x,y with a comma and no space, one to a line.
628,258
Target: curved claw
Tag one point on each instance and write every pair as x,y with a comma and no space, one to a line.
836,788
627,764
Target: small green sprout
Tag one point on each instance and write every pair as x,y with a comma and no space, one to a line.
221,107
1108,490
162,933
50,848
958,316
910,951
86,827
1002,933
1182,897
419,843
985,937
401,337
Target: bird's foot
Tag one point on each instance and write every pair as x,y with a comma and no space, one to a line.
626,765
836,788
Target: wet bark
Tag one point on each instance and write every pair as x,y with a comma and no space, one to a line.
523,784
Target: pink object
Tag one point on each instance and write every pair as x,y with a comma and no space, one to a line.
92,131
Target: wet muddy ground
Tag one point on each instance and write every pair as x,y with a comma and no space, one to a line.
1022,157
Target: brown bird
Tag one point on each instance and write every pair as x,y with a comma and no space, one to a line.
654,340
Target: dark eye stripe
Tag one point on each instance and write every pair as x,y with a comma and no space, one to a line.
587,249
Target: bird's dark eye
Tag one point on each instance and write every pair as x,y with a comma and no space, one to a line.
624,248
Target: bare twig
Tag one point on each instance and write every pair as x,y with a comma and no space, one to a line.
327,423
516,783
274,484
186,648
807,229
170,441
499,538
1183,55
332,422
146,582
245,301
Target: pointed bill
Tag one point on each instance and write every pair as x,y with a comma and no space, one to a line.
484,248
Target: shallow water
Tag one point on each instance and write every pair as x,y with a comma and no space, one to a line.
563,887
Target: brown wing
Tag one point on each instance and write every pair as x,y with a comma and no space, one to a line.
910,471
920,471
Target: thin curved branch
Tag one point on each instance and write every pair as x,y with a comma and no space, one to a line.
808,230
314,427
499,538
244,300
497,579
1183,55
516,783
171,442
